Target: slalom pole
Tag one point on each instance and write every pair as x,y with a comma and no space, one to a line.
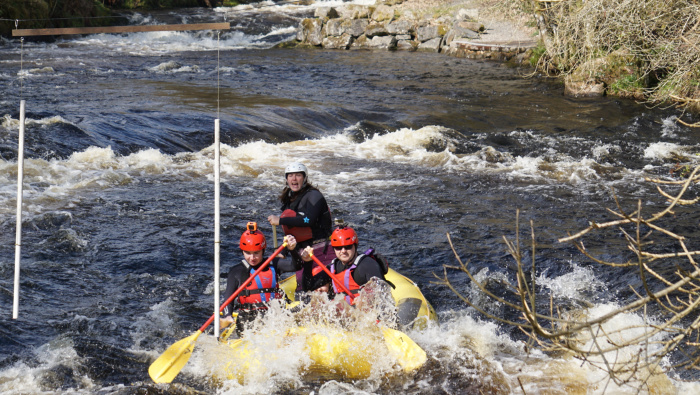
217,233
217,192
18,236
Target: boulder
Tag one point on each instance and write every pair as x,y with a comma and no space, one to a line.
458,32
310,31
588,88
383,42
383,13
467,14
400,27
340,26
425,33
354,11
376,29
326,13
342,42
432,45
406,45
360,42
467,25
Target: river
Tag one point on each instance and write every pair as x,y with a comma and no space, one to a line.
117,249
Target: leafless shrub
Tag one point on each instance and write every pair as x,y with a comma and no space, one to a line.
664,333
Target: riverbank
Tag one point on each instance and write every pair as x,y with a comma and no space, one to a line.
462,28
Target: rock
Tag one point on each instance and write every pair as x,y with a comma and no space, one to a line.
310,31
425,33
400,27
340,26
587,88
403,37
376,29
383,13
473,26
325,13
360,42
406,45
388,2
409,15
467,14
354,11
383,42
459,32
432,45
342,42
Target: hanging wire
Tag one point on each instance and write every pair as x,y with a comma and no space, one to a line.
218,71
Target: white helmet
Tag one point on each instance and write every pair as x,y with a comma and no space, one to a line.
297,167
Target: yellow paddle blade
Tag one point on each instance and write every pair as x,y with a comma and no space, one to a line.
170,363
409,354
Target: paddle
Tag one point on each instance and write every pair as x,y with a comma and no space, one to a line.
403,348
168,365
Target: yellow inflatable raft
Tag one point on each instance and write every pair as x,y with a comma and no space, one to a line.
350,354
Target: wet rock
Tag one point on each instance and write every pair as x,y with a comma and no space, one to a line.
310,31
383,42
587,88
406,45
432,45
333,42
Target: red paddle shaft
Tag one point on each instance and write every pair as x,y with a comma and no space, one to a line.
334,278
242,287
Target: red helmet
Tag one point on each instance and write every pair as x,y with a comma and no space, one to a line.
253,239
343,237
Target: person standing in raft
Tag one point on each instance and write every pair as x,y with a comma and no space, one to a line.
253,301
305,215
355,270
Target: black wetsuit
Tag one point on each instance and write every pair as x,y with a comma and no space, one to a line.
238,274
312,211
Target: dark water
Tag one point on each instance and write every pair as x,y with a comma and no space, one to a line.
117,251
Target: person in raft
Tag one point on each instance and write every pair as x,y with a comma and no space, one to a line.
354,269
253,301
305,215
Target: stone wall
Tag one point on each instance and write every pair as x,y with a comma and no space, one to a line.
385,26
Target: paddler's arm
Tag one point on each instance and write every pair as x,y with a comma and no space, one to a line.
312,282
225,321
290,263
232,285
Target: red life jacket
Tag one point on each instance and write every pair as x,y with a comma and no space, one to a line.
301,233
259,292
348,281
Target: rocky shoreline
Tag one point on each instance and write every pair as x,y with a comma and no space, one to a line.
388,25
